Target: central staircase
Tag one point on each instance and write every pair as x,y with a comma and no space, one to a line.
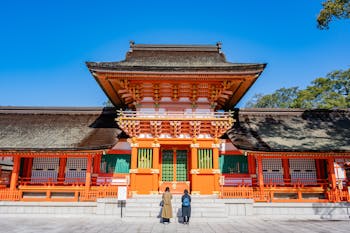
147,207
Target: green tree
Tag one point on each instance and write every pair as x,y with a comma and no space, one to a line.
339,9
332,91
282,98
329,92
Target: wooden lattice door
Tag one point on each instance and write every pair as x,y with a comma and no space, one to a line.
167,165
181,165
174,170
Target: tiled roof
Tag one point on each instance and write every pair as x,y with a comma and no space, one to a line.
291,130
178,58
95,128
57,128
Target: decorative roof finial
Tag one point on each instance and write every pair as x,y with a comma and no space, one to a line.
131,43
218,45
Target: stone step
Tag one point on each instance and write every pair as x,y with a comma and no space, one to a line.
173,220
173,201
147,207
176,206
194,214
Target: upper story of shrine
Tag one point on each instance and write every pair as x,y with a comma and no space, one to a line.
175,78
175,83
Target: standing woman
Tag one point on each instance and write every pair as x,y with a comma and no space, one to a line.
186,206
167,211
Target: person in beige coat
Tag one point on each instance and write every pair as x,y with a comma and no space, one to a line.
167,210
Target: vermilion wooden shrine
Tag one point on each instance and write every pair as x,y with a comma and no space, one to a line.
174,124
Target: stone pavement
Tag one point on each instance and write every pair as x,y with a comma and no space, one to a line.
109,224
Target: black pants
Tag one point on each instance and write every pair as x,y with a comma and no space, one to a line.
186,213
186,219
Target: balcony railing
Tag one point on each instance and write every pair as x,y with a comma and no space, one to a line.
173,115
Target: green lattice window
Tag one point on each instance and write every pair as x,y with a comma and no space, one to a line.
181,165
205,158
233,164
144,157
115,163
167,165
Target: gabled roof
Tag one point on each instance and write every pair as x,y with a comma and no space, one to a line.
176,58
291,130
27,128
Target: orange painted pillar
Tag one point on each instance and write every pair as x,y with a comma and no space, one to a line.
15,171
155,166
286,173
133,168
216,158
88,173
174,164
194,169
97,163
318,168
29,168
216,169
25,169
194,162
322,163
62,169
251,165
260,172
332,179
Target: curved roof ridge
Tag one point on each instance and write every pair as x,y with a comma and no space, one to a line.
176,47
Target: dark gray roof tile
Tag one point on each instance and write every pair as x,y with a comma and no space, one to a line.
142,57
57,128
291,130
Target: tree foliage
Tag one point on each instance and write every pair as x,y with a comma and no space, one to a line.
282,98
327,92
339,9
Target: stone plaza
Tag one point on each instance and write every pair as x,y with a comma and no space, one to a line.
108,224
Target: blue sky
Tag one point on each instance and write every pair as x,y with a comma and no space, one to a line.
44,44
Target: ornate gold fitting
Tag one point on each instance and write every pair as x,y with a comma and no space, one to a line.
133,140
216,140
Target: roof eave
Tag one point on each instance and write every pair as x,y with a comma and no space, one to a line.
109,67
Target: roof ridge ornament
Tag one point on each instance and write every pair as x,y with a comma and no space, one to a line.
132,45
218,45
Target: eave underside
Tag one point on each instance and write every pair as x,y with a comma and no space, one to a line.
223,89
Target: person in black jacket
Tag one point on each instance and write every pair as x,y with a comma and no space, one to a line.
186,206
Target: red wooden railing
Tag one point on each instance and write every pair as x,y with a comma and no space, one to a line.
116,179
269,194
65,189
281,190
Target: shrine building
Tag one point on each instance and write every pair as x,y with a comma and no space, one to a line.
174,124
